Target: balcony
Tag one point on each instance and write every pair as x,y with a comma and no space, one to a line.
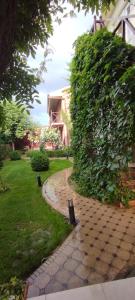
55,119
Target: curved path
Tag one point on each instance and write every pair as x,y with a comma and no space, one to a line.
100,246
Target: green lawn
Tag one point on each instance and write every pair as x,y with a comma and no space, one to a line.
29,228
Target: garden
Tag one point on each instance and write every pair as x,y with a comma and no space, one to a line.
103,134
29,229
102,93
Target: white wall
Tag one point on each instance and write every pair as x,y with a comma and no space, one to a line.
112,18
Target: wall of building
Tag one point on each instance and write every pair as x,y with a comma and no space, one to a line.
122,8
63,109
66,100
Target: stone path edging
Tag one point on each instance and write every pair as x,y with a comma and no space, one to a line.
52,204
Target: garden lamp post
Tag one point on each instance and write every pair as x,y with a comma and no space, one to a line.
39,180
71,212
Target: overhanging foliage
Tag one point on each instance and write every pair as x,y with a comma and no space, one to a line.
19,83
103,113
25,24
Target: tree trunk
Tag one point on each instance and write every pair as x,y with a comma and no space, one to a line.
13,146
133,153
7,30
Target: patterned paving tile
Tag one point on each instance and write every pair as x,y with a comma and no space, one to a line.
100,246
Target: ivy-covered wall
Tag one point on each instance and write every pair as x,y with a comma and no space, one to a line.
103,113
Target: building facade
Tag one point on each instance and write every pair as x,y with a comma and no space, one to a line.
58,109
123,9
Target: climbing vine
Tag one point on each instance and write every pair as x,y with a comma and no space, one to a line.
103,113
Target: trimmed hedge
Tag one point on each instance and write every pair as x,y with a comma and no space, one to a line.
31,153
40,162
51,153
14,155
59,153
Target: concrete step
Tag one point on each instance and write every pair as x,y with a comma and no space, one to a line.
115,290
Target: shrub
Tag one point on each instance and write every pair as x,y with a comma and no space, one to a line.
42,147
14,155
31,153
40,162
51,153
4,151
14,289
1,163
60,153
69,151
56,153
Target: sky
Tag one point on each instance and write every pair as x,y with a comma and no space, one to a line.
61,45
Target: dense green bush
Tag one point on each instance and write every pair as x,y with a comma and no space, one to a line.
51,153
103,113
1,163
4,151
42,147
31,153
12,290
40,162
60,153
14,155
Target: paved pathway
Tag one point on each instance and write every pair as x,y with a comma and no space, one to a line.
98,249
114,290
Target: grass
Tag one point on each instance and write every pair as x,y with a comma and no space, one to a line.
29,228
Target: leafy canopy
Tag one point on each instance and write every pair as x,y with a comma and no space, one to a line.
94,5
16,122
19,83
25,24
51,135
103,113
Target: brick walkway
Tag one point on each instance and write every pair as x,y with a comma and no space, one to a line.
100,246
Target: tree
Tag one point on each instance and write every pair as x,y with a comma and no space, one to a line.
19,82
16,122
23,26
1,115
52,136
34,134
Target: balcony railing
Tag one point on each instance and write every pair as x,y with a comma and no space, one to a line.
55,117
125,24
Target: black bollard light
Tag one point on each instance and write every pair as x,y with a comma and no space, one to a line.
39,180
71,212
